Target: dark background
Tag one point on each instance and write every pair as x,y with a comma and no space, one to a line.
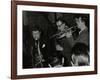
47,23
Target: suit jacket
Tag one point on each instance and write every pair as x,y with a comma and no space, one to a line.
44,49
83,37
64,42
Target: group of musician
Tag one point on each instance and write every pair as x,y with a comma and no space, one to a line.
70,45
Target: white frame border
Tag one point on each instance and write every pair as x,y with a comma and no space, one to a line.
21,71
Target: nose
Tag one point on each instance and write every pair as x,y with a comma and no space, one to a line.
35,37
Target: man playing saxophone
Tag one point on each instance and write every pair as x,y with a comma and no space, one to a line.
39,49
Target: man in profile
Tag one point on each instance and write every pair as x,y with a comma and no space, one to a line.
82,23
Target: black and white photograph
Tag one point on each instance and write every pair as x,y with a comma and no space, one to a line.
54,39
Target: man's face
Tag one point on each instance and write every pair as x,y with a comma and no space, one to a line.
36,35
60,25
79,22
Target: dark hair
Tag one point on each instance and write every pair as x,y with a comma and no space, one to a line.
63,21
35,28
80,48
84,17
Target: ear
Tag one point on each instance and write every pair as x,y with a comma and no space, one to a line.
74,60
73,57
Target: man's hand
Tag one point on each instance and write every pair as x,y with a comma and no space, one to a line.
69,34
59,48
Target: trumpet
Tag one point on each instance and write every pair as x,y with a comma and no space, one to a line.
62,32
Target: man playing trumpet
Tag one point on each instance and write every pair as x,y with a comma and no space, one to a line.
63,43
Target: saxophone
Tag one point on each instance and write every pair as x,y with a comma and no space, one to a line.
38,56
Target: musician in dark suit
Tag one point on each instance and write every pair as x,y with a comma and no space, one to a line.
39,50
83,24
63,45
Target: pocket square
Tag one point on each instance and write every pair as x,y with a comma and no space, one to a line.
43,45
